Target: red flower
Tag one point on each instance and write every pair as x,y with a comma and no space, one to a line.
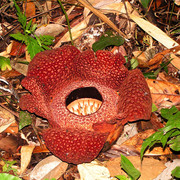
110,94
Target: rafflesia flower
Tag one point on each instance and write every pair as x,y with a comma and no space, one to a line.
86,97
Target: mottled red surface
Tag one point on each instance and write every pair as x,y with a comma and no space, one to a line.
54,74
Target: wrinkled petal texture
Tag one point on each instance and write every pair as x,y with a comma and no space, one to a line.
54,74
74,146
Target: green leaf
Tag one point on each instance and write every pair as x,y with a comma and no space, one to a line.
129,168
145,3
5,63
166,136
154,107
170,134
175,143
24,119
150,75
167,113
19,37
21,17
108,39
122,177
46,40
5,176
33,47
176,172
150,141
134,63
28,26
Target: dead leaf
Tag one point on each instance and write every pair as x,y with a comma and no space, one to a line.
13,128
76,32
50,29
164,94
137,140
48,168
18,49
26,153
149,168
19,67
177,2
175,61
8,144
154,31
142,60
6,119
102,17
93,170
166,174
29,9
158,58
40,149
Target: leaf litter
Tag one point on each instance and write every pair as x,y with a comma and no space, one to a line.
89,22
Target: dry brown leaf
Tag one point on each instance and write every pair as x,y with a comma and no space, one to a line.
166,174
19,67
142,60
159,56
8,144
93,170
13,128
6,119
26,153
149,168
102,17
50,29
177,2
137,140
175,61
154,31
164,94
29,9
40,149
76,32
48,168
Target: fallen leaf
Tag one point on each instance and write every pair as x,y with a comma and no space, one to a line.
76,32
102,17
18,48
26,153
29,9
166,174
48,168
149,168
13,128
40,149
164,94
93,170
175,61
6,119
137,140
49,29
8,144
154,31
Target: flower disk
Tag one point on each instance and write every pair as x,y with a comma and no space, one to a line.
57,78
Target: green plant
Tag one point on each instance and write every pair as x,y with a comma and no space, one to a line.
5,176
5,63
128,167
8,167
145,3
24,119
108,39
168,135
34,44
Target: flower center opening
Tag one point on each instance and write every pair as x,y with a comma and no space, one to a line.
84,101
